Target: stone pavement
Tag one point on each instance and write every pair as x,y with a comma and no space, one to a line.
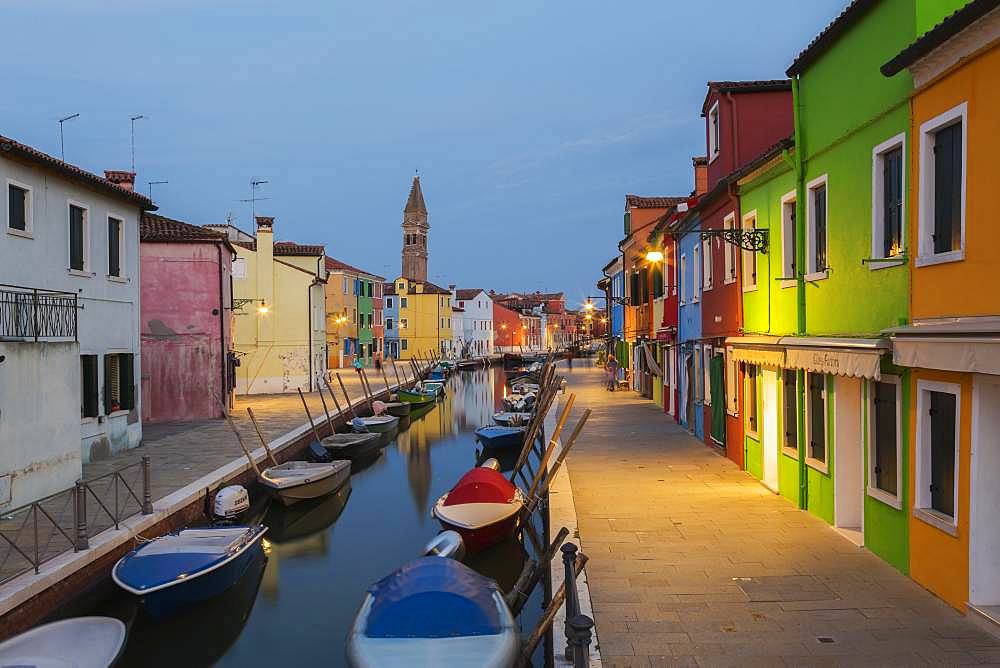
693,562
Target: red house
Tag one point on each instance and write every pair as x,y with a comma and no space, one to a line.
742,120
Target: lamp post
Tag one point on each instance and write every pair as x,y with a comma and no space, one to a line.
652,257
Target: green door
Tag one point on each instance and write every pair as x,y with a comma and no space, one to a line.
718,399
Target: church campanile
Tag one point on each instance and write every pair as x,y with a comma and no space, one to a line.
415,234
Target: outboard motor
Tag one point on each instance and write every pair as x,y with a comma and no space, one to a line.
446,544
230,502
358,425
317,453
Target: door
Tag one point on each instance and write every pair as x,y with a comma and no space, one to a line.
848,463
718,393
689,390
769,427
984,545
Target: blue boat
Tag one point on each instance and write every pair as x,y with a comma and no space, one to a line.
187,566
496,436
433,612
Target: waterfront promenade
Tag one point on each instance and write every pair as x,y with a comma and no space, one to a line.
694,563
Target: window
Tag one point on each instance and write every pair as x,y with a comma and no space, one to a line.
816,420
884,456
88,386
403,323
240,268
706,254
77,238
788,275
696,277
888,200
402,344
729,223
750,400
371,289
685,283
942,187
19,210
119,390
402,302
790,413
699,377
938,410
816,229
401,287
713,132
749,257
388,302
388,323
707,383
115,246
732,377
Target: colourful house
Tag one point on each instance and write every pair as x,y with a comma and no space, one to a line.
279,311
186,320
951,349
424,314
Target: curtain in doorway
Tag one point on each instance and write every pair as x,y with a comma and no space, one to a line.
716,371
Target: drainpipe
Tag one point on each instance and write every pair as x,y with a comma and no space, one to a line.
800,286
309,329
222,329
732,128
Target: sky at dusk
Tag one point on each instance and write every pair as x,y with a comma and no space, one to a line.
528,121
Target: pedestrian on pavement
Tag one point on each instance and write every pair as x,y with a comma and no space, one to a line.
612,370
358,365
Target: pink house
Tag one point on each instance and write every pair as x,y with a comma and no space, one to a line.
185,311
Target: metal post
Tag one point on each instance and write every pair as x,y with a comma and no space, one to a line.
34,312
80,512
579,636
147,491
34,517
572,602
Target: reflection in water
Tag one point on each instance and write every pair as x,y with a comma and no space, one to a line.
288,523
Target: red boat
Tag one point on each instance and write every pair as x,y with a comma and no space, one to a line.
483,507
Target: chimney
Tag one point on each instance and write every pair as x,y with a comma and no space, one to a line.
265,224
700,175
120,178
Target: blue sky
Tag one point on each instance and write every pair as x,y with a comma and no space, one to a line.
528,120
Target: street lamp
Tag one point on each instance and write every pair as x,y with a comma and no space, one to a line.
263,309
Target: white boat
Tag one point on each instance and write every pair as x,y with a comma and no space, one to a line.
380,424
292,482
84,642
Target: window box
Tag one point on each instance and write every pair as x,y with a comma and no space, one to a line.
941,209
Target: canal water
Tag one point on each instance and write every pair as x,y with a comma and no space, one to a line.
295,605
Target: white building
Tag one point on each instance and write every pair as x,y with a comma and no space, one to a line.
477,321
69,320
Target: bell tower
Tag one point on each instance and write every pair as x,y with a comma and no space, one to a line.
415,234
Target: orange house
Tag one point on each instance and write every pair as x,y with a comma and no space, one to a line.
953,342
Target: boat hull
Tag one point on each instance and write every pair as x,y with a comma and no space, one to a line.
398,409
501,439
416,397
313,489
381,427
481,538
358,449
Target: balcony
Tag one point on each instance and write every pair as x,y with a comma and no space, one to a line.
34,314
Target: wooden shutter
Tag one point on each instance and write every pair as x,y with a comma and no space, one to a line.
885,436
76,238
114,247
88,386
791,417
126,385
817,417
947,188
819,207
107,384
942,485
892,201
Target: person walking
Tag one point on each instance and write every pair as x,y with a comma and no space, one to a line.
612,370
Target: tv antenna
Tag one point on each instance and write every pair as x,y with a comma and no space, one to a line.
150,185
62,145
253,199
138,117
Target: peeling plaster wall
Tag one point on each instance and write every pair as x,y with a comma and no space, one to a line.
39,420
182,345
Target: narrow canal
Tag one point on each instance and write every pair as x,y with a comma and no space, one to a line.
295,607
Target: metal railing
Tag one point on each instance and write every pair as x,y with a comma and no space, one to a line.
33,313
42,530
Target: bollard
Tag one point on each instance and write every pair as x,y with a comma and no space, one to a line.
147,491
80,515
579,637
572,602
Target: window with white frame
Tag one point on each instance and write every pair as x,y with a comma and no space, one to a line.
941,213
713,132
790,413
885,473
729,223
402,302
749,222
706,254
816,229
938,411
696,274
816,421
79,235
240,268
19,209
685,283
888,199
788,203
732,377
673,268
708,375
750,400
388,302
388,323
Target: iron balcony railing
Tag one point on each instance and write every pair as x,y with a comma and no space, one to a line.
34,314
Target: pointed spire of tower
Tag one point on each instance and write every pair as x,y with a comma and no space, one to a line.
415,202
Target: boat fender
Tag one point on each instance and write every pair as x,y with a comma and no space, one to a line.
317,453
491,463
446,544
230,502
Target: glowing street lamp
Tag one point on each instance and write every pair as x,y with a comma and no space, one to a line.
263,309
654,256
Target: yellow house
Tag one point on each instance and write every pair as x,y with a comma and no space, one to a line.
953,342
424,318
279,310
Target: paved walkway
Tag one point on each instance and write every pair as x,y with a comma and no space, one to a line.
694,563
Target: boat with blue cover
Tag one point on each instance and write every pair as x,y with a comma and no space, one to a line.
188,566
496,436
433,612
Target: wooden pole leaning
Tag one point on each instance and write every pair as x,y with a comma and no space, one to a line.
253,418
239,438
543,466
369,397
326,411
399,383
532,501
347,397
340,411
549,615
309,415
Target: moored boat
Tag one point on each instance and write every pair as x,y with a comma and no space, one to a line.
187,566
433,612
436,386
416,396
482,507
292,482
93,642
351,446
511,419
379,424
397,408
496,436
